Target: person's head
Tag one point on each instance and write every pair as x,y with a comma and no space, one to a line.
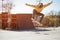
40,4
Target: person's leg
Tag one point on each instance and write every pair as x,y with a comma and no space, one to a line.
34,14
41,16
34,17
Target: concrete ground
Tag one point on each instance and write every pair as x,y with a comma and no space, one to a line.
52,34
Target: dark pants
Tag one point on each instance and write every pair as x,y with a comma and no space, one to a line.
39,14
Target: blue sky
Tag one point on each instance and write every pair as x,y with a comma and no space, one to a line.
20,6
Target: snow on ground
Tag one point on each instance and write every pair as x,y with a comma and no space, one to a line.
53,34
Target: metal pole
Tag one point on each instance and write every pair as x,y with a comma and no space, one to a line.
2,5
1,15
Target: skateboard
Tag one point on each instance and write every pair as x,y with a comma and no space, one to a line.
35,22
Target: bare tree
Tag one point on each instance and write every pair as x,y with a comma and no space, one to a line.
8,6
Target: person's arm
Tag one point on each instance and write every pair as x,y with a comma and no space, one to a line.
30,5
48,4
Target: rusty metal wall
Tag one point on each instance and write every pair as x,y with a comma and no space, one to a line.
19,21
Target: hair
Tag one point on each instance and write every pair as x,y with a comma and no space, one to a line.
41,5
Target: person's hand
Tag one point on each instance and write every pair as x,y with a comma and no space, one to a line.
26,4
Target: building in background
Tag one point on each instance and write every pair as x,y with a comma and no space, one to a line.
18,21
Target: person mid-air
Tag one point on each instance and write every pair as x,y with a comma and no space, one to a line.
38,9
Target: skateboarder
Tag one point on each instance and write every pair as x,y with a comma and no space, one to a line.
38,9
